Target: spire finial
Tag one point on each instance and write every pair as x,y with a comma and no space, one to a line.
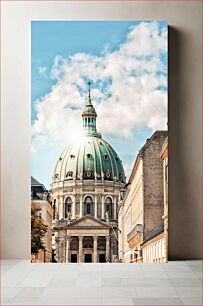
89,84
89,114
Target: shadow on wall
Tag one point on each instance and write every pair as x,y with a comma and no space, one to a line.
184,204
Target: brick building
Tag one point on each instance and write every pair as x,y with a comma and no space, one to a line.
141,209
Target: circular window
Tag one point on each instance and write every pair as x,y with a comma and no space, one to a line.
108,174
88,173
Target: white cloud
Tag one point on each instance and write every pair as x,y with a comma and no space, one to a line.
42,70
133,98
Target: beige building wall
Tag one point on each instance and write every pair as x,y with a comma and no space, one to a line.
131,210
154,250
126,225
136,195
164,156
120,232
46,215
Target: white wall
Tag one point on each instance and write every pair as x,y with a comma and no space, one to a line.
184,112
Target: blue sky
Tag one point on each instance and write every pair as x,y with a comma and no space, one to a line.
127,63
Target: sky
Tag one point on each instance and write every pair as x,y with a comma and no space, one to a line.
126,62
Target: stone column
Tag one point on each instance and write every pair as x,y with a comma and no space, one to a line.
95,207
95,248
57,249
67,248
64,206
102,207
60,250
81,206
60,207
107,248
115,208
80,249
73,208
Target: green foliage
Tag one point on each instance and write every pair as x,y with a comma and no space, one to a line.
38,230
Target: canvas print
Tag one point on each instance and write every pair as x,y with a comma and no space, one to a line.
99,185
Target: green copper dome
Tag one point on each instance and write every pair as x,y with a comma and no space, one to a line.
90,157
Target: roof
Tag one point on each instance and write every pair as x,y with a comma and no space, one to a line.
149,140
89,109
37,189
140,154
89,157
34,182
88,221
155,232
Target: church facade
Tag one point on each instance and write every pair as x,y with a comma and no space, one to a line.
86,188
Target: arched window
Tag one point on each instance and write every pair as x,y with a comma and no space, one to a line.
89,156
108,206
68,207
88,206
105,156
54,209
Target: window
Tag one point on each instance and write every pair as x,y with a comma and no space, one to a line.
108,174
72,156
108,206
88,206
106,157
69,174
89,156
54,209
68,207
88,174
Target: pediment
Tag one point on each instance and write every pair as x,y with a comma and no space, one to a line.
88,221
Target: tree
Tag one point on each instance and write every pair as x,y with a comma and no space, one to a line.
38,230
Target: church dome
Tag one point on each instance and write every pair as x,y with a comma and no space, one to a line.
90,156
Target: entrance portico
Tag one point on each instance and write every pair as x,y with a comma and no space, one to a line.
87,240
